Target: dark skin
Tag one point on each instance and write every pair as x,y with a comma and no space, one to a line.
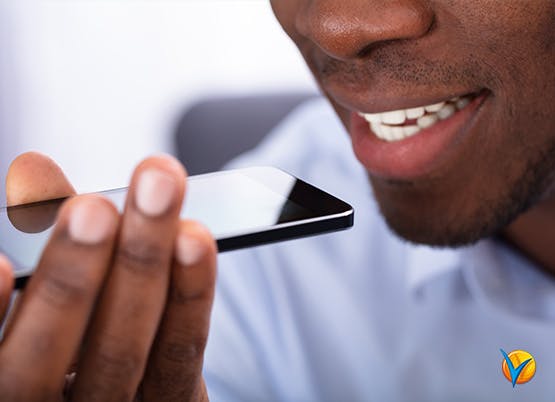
124,313
498,180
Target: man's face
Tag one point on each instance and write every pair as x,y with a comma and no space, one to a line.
452,176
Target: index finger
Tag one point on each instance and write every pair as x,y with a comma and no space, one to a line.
53,314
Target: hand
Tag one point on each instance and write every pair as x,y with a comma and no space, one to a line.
125,299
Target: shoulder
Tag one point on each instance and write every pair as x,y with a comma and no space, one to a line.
307,143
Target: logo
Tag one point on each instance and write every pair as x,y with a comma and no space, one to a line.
518,366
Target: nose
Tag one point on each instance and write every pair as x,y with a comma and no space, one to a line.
346,29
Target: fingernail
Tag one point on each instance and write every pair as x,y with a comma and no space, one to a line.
90,222
155,192
189,251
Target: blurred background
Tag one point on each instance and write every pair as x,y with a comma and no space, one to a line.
100,84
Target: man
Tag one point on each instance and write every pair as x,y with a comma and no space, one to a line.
448,106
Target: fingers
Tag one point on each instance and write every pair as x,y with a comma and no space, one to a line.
6,286
35,177
54,311
174,371
129,311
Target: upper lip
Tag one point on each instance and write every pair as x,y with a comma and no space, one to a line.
377,104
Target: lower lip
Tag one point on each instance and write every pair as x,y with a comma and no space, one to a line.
417,155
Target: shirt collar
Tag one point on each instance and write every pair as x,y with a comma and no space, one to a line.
508,281
494,273
426,263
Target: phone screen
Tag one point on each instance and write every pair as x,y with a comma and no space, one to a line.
231,204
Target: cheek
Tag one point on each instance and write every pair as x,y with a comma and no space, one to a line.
516,42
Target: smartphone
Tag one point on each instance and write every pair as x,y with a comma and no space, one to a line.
242,208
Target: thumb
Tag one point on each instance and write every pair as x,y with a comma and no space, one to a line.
35,177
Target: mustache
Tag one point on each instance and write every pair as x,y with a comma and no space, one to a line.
401,67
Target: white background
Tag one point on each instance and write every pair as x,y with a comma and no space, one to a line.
98,85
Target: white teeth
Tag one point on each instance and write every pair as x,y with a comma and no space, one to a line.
386,130
410,130
397,133
446,111
394,117
434,108
393,133
385,133
462,103
373,117
415,113
427,120
388,126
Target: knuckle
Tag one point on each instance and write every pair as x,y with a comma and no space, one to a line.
117,362
184,352
115,365
197,291
61,291
140,257
177,370
179,296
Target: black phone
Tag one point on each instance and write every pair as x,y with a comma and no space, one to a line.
242,208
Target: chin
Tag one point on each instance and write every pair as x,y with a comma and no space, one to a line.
450,224
422,232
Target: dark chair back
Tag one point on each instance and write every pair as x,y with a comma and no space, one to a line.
214,131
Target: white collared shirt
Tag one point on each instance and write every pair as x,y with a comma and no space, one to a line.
361,315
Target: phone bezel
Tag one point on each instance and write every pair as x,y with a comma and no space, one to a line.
329,213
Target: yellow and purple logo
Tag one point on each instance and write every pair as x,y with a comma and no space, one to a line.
518,366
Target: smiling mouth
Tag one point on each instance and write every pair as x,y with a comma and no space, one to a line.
396,125
387,154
